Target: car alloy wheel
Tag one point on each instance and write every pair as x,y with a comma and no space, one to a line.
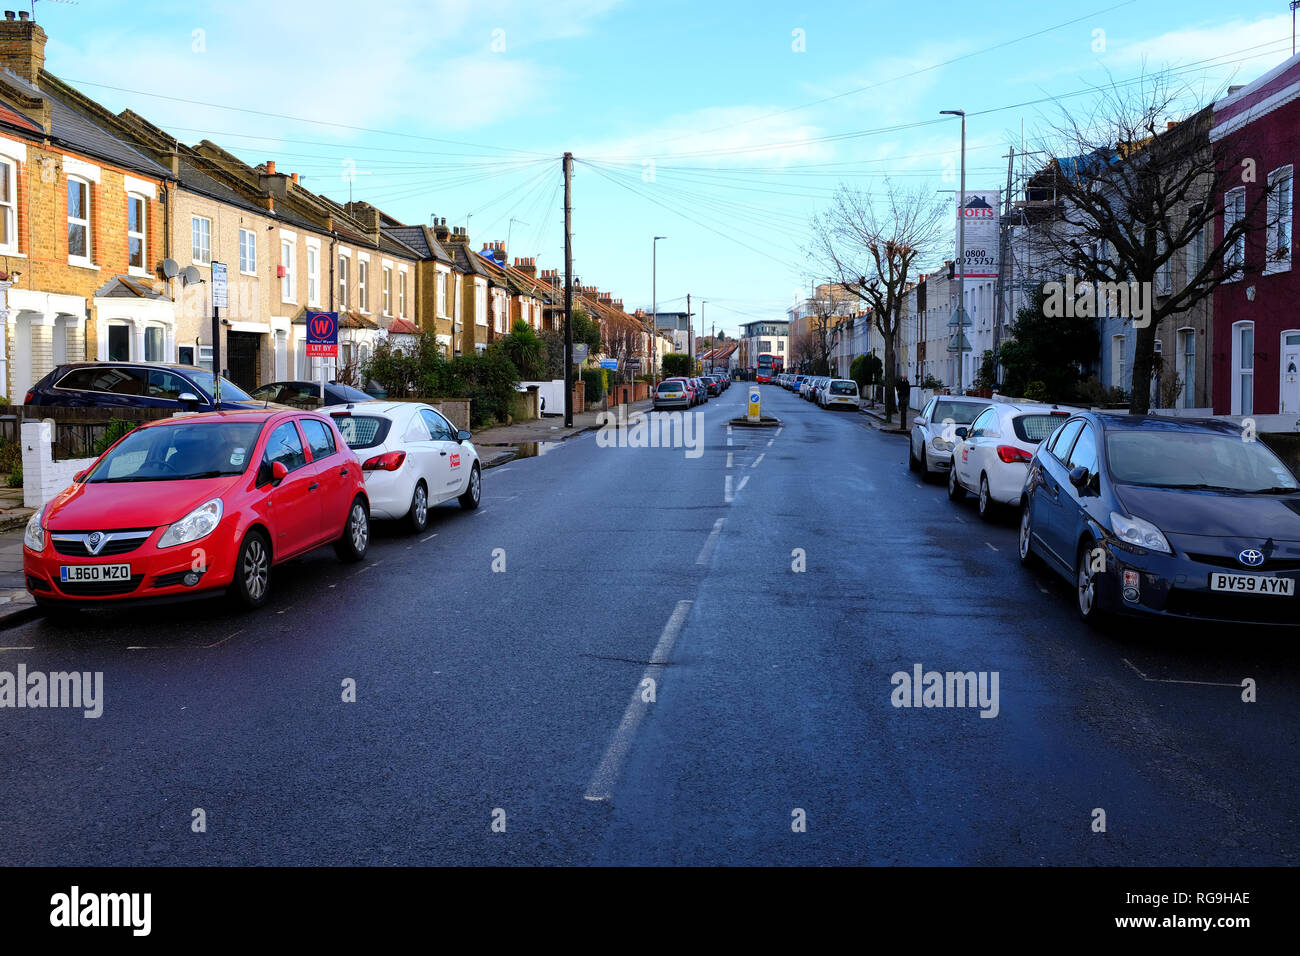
419,515
252,570
1089,598
355,540
473,491
1026,535
986,500
955,491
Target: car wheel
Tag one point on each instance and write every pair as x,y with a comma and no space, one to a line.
355,540
1088,594
955,491
473,491
252,570
418,517
988,508
1027,557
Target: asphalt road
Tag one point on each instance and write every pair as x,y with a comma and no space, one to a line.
521,695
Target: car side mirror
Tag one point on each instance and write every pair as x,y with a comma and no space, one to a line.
962,431
271,473
80,476
188,398
463,435
1079,477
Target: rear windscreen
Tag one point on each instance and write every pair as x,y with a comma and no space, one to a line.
844,388
1034,428
362,431
962,413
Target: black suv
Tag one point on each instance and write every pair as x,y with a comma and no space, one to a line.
135,385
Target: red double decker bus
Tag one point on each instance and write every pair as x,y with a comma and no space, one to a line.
769,366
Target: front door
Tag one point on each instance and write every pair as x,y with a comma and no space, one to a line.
1290,372
244,358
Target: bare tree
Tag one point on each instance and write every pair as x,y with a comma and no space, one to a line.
872,246
1135,192
823,329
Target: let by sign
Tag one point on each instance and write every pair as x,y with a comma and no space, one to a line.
323,334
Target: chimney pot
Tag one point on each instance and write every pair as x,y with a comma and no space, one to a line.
22,14
295,177
9,14
270,166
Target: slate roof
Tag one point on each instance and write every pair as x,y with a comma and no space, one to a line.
417,238
126,287
70,128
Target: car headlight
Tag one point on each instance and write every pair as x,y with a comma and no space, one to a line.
940,444
199,523
34,535
1138,532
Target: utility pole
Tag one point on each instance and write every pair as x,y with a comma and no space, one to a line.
567,165
999,315
690,334
961,252
654,303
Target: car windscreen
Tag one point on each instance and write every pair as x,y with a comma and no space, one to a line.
1037,426
230,392
179,452
961,413
363,431
844,388
1195,459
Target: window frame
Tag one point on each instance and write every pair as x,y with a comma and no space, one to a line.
247,252
9,209
1280,215
89,258
195,234
1234,256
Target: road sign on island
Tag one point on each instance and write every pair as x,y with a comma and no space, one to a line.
323,334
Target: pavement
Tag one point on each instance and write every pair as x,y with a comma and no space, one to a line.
656,655
15,602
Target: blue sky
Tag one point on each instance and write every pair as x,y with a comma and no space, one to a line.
462,110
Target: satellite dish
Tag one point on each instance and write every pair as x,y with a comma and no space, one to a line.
170,268
191,275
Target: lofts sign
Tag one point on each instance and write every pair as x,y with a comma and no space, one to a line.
980,214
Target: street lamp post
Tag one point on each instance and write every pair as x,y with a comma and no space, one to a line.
961,249
654,300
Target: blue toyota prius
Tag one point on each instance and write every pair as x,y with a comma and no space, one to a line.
1179,518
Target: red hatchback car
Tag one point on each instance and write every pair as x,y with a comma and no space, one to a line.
198,503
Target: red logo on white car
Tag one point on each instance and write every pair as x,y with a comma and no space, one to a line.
455,461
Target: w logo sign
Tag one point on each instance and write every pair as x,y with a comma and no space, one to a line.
323,334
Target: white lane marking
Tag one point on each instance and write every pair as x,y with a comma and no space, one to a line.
728,441
710,543
758,459
728,429
606,775
956,518
728,494
780,429
769,442
429,538
729,458
30,648
1166,680
741,487
1043,589
224,639
991,546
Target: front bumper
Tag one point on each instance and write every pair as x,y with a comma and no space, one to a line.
1177,587
154,574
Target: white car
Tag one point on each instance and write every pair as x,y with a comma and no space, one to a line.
936,430
839,393
412,459
993,459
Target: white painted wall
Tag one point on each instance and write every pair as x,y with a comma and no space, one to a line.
43,477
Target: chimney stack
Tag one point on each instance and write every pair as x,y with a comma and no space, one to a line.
22,46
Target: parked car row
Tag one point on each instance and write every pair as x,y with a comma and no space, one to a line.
1145,516
682,392
203,503
826,391
178,387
